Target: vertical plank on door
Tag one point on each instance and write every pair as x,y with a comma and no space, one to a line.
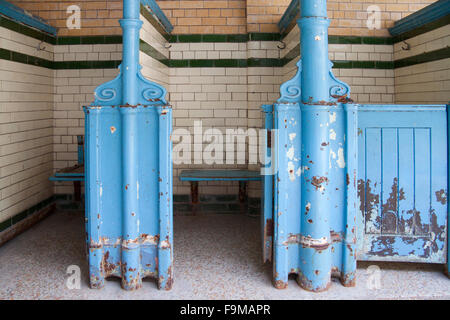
422,175
373,181
389,180
406,181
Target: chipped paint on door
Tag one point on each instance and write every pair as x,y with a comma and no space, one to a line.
402,183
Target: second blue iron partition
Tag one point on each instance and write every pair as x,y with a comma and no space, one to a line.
314,246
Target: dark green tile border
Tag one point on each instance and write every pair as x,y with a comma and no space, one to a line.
89,40
359,40
64,65
26,213
198,38
26,59
249,63
26,30
440,54
152,52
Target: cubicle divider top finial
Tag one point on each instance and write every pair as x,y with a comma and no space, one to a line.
130,87
314,82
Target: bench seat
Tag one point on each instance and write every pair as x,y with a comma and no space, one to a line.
243,176
220,175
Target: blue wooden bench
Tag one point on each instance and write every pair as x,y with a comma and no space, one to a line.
75,173
243,176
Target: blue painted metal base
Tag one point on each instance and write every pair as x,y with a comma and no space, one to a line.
314,215
128,244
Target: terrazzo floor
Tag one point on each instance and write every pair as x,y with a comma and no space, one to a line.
216,257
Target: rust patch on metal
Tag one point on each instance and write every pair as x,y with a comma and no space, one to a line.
306,284
343,99
441,196
318,181
280,284
336,236
320,103
348,280
108,268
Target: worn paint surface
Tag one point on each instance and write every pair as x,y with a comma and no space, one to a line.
372,182
402,183
315,186
123,243
129,173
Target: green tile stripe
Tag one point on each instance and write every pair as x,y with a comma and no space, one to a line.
359,40
56,65
439,54
64,65
74,40
26,213
152,52
198,38
338,64
24,58
26,30
248,63
245,37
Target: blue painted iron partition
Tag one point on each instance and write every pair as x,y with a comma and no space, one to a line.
129,173
326,151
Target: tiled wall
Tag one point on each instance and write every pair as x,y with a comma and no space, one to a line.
222,16
222,97
349,17
368,85
98,17
207,17
427,82
26,125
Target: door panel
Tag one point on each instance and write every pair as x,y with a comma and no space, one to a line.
402,174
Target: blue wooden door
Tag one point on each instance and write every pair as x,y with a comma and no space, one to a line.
402,183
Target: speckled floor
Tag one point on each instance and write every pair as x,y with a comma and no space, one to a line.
216,257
